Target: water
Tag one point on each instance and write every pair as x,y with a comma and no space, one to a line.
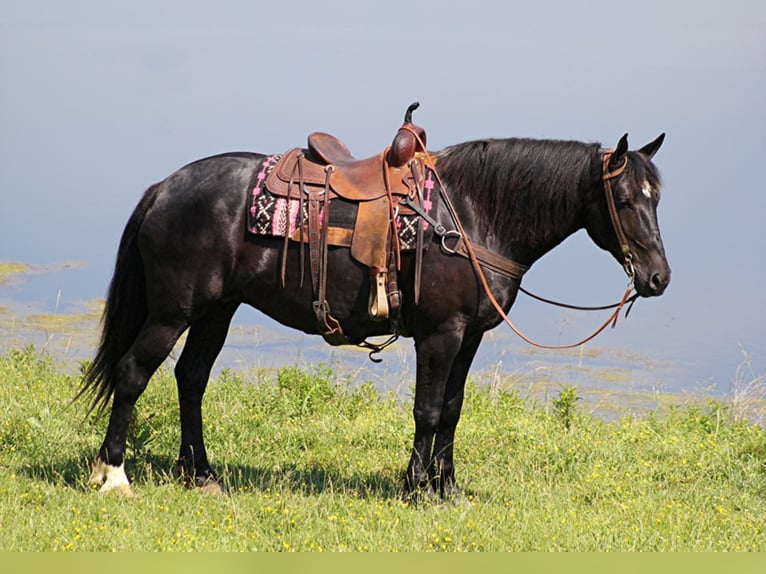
52,307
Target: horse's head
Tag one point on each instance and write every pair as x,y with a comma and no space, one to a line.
624,218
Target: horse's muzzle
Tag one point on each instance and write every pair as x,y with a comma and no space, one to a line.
654,283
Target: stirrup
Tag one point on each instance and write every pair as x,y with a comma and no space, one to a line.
378,306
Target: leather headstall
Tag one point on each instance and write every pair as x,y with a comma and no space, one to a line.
622,239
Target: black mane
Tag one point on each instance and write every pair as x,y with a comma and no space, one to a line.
527,184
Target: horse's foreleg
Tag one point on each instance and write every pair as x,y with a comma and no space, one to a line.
450,415
203,344
150,348
435,354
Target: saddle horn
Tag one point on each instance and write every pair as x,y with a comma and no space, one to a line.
408,115
409,140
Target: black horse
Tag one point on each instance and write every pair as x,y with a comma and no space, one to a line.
186,261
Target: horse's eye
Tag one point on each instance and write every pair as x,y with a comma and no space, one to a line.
624,201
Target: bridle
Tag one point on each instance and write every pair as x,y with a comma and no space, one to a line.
622,239
480,256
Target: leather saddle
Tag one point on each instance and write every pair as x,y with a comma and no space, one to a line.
387,172
327,170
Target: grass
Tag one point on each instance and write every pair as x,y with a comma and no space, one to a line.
311,463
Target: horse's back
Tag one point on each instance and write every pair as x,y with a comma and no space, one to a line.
193,199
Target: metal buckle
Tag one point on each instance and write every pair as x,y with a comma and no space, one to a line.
451,234
627,265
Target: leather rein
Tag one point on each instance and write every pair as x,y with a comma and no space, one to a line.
482,257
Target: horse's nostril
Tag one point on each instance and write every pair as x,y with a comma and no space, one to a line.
657,283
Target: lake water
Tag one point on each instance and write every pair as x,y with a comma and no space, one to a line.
53,308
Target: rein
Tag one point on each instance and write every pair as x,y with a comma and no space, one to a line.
479,255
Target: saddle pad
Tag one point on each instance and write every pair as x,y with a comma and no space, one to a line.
273,215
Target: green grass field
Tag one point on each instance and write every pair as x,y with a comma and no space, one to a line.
311,463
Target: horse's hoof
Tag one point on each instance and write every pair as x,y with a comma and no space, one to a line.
460,499
420,495
111,479
207,484
455,495
213,489
121,490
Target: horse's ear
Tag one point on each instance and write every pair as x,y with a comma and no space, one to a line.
651,148
620,150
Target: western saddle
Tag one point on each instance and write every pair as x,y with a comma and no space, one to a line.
327,170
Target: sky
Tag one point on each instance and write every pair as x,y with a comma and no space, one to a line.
100,100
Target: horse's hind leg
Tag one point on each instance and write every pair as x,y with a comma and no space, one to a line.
152,345
203,344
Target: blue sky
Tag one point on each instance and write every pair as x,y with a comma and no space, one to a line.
98,101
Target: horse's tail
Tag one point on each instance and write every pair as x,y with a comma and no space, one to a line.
124,313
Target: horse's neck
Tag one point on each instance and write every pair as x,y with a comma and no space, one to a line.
556,224
535,220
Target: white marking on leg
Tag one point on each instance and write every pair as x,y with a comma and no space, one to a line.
115,478
111,478
98,474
